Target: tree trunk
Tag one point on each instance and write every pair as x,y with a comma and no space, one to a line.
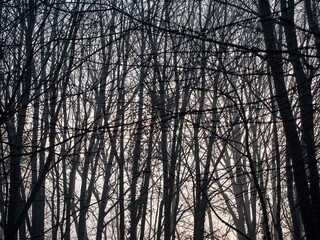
305,103
17,144
274,60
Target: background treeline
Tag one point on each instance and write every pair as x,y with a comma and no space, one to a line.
159,119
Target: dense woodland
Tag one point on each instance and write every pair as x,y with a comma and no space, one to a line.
171,119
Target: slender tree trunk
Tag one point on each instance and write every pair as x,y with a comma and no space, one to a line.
278,194
313,25
297,228
164,125
105,110
134,218
147,171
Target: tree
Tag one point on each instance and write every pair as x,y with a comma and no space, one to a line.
159,119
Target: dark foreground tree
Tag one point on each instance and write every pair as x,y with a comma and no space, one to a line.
159,119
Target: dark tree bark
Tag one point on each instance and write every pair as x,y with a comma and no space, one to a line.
17,136
305,103
274,60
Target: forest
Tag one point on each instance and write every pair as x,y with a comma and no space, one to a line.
169,119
